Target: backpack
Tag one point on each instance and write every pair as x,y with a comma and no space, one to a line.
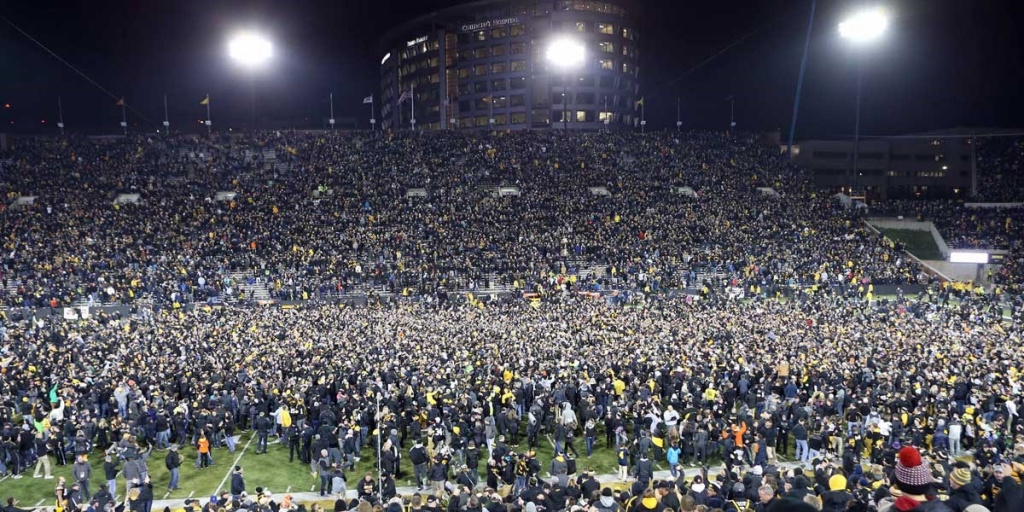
745,508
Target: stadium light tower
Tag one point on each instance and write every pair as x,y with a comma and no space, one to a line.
565,54
862,29
252,51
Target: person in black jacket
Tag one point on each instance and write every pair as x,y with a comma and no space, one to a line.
263,425
110,470
173,463
418,457
12,506
237,482
145,501
961,493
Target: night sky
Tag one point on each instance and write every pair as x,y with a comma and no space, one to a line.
944,63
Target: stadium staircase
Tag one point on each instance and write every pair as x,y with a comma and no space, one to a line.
253,287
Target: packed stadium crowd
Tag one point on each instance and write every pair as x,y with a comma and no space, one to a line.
465,391
360,231
906,403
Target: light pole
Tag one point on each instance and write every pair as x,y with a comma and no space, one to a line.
565,54
252,51
861,29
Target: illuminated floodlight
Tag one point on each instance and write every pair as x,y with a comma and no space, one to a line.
250,49
979,257
565,53
865,26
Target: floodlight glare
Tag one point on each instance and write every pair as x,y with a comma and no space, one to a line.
250,49
565,53
865,26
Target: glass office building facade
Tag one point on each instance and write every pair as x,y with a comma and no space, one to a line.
482,64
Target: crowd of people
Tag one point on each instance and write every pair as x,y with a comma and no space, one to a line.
329,214
893,404
464,395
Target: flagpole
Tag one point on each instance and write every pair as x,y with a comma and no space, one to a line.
331,120
60,112
732,112
679,122
167,119
607,114
208,120
373,113
124,118
412,113
643,116
490,115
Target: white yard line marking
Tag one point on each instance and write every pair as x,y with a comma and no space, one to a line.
166,494
288,490
232,467
40,502
191,493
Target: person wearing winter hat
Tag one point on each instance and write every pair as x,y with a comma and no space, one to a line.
961,493
914,481
837,497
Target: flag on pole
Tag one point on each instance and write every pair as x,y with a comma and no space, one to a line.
205,101
403,97
639,103
368,99
120,102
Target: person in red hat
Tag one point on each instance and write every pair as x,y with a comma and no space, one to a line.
914,481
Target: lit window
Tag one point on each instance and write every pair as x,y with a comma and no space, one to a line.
498,67
607,64
605,28
517,48
481,69
498,50
481,35
519,118
519,65
482,53
498,33
581,26
517,30
606,47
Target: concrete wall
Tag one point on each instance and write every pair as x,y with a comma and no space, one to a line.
914,226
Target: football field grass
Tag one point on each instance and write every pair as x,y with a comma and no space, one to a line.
271,471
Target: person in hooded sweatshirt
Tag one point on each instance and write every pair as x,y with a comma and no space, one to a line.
738,501
648,503
797,489
698,491
607,503
837,497
560,469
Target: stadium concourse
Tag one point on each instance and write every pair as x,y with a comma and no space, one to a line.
736,326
